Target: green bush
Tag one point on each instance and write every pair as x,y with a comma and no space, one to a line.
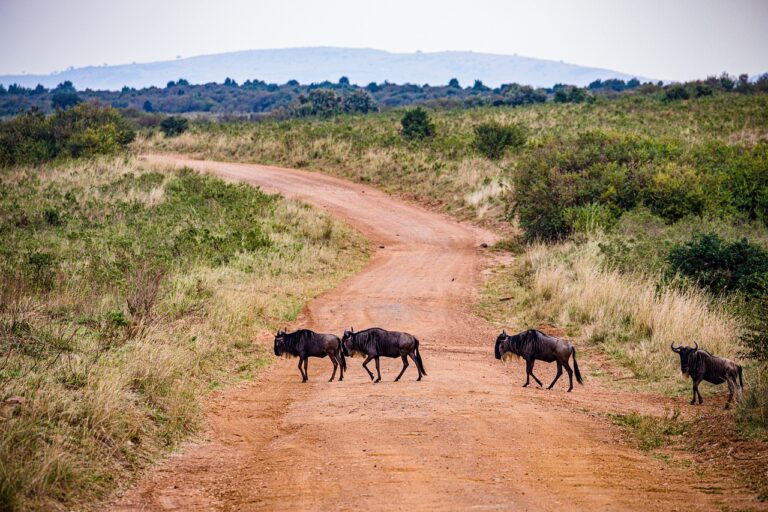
590,218
84,130
174,125
416,124
676,93
721,266
492,138
359,102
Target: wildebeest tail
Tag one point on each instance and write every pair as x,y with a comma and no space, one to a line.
576,367
417,356
741,382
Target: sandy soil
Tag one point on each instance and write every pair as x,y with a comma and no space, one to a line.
466,437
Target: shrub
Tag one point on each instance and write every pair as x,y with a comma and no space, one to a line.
492,139
323,103
174,125
84,130
723,267
65,99
676,92
755,337
359,102
416,124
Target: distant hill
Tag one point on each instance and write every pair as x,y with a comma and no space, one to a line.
308,65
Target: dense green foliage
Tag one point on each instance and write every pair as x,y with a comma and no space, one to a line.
492,139
721,266
81,131
623,172
416,124
173,125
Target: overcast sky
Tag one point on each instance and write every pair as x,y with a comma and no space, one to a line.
667,39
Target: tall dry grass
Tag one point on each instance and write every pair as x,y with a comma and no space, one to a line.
628,317
627,314
86,398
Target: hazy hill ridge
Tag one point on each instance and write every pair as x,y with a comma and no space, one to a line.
325,63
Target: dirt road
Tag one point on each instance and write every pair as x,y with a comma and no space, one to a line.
466,437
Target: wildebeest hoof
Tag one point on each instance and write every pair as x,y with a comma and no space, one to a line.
693,402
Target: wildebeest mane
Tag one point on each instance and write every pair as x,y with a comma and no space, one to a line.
294,340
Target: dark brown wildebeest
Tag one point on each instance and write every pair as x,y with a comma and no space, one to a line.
534,345
698,364
305,344
375,342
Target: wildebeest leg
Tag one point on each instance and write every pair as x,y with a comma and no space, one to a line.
570,376
378,372
303,377
405,365
696,390
341,366
416,363
365,365
306,373
332,357
530,371
557,375
731,388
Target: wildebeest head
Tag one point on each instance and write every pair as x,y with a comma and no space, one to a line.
347,347
685,353
502,345
280,342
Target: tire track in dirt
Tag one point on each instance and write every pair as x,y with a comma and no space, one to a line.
467,437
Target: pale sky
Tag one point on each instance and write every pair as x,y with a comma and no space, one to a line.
667,39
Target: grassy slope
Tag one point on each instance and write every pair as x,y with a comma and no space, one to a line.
568,285
108,388
446,172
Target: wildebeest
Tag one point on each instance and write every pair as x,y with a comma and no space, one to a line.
376,342
533,345
305,344
698,364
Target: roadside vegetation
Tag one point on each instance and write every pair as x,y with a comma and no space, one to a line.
127,293
641,219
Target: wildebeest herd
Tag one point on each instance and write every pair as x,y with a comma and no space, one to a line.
530,345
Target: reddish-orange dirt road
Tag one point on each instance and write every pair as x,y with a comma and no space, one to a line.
467,437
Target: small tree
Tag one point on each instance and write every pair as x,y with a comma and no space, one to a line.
721,266
64,99
147,107
174,125
492,139
416,124
676,92
359,102
454,83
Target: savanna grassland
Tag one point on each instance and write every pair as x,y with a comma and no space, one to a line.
636,221
127,294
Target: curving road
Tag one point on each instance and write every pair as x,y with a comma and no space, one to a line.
466,437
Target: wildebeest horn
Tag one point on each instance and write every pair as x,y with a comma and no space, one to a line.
696,347
672,346
504,333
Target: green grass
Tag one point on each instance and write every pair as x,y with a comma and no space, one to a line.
652,432
446,170
126,295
